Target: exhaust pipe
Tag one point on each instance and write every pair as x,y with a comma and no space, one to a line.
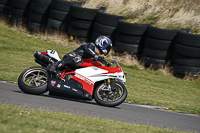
42,59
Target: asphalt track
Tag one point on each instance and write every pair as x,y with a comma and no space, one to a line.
131,113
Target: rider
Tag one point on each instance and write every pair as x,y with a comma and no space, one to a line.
90,50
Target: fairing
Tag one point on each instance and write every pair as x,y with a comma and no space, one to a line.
88,76
53,54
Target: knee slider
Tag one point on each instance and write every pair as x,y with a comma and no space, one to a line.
77,60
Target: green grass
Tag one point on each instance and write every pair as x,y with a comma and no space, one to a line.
154,88
144,86
20,120
17,52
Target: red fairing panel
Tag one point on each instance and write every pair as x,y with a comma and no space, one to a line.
90,62
88,85
111,69
45,53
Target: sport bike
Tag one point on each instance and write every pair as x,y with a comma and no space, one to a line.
92,80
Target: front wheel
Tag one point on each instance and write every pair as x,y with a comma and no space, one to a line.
114,97
33,80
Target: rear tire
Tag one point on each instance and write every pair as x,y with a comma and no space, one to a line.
110,98
34,80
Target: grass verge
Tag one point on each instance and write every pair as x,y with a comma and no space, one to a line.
16,119
170,14
144,86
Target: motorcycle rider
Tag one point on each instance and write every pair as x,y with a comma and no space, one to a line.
90,50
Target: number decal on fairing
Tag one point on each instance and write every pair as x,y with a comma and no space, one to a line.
52,52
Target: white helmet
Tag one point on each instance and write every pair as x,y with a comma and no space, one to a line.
104,44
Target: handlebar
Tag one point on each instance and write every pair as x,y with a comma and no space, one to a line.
106,63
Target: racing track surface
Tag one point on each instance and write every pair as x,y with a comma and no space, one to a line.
10,94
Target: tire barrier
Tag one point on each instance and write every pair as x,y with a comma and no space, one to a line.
81,22
106,25
129,37
19,12
155,45
59,15
5,2
38,15
5,7
186,57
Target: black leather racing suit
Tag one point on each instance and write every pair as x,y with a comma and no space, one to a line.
86,51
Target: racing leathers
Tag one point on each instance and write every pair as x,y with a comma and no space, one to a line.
75,58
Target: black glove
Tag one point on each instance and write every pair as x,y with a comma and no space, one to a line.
108,64
96,58
102,60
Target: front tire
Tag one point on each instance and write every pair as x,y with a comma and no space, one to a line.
110,98
34,80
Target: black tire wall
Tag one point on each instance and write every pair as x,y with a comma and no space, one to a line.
129,37
158,45
105,25
59,17
19,12
5,8
38,15
186,54
81,22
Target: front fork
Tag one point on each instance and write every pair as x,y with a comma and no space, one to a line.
109,84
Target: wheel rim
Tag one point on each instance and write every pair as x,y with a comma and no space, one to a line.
35,77
110,96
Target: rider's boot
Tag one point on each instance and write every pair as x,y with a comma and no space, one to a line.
53,67
69,61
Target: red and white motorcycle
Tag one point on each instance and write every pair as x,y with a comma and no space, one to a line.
92,80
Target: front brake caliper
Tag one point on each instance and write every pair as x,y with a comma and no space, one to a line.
109,85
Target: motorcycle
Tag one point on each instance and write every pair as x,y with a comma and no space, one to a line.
92,80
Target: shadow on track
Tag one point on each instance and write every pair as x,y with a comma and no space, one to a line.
67,97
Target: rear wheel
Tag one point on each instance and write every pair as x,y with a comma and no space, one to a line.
114,97
33,80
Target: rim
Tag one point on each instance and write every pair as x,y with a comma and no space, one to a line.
35,77
110,96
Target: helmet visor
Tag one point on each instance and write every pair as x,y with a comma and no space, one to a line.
107,47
